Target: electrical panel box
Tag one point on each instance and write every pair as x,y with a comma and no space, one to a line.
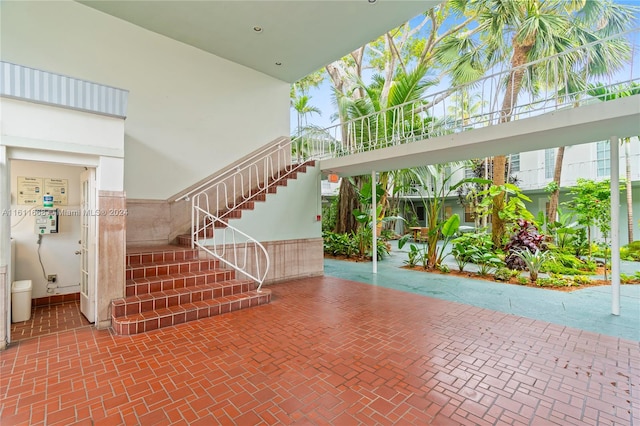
46,221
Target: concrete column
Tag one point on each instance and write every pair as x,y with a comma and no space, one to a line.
615,224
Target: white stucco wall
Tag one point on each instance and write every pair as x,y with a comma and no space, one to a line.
290,213
190,113
57,251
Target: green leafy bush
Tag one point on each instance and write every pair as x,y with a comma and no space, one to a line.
581,279
444,268
534,261
339,244
468,247
568,264
630,279
505,274
487,262
631,252
348,245
555,281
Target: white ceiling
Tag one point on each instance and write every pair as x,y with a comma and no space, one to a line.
301,35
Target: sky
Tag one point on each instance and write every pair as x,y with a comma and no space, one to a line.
321,97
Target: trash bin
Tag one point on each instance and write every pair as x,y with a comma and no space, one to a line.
21,301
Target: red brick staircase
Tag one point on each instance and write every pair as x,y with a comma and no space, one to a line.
169,285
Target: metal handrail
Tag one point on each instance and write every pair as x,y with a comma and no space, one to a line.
216,199
234,248
439,114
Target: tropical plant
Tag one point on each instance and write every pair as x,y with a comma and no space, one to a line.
339,244
432,184
591,202
486,262
468,247
631,251
513,207
524,238
414,255
555,280
520,32
448,231
364,234
505,274
389,56
534,261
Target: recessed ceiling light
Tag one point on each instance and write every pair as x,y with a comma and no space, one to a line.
278,63
257,29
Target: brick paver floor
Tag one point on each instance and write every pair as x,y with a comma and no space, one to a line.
327,352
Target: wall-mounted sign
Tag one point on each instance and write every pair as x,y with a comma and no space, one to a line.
30,190
58,188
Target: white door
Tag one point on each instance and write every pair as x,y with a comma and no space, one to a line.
87,245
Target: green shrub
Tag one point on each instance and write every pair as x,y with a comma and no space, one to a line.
554,281
444,268
349,245
523,280
468,247
631,252
329,215
568,264
339,244
505,274
630,279
534,261
382,249
486,263
581,279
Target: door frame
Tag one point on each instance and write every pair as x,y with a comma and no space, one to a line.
88,211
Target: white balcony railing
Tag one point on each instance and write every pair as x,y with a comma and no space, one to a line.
440,113
30,84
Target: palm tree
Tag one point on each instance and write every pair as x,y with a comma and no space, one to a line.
406,91
523,31
303,109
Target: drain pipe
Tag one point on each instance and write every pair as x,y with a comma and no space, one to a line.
615,224
374,220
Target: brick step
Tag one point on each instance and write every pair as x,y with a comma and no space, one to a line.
178,314
179,296
148,270
159,254
139,286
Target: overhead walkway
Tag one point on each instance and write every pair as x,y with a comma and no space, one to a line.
584,124
507,118
489,117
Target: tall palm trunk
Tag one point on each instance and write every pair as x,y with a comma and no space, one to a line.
627,159
555,195
348,196
514,84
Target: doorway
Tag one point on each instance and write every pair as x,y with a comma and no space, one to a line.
67,300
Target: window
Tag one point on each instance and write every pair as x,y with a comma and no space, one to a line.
549,162
469,215
447,177
603,158
468,172
515,163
